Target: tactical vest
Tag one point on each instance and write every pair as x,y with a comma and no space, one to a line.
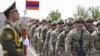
16,39
75,42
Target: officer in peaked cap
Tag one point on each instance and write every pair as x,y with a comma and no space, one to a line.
10,35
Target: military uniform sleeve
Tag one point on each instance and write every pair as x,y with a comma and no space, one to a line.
59,38
8,42
52,36
68,42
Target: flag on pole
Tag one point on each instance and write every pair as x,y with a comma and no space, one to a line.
32,5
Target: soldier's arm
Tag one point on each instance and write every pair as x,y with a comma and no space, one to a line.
68,43
52,36
8,42
58,42
47,39
41,35
90,41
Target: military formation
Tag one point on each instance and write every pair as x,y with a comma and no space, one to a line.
76,36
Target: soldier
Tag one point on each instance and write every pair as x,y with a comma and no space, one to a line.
46,45
96,39
78,40
43,34
40,43
33,39
60,44
89,24
10,35
54,35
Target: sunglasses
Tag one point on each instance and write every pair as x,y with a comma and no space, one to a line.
69,24
79,21
89,21
53,25
60,23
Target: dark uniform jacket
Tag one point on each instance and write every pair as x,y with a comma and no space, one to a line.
10,40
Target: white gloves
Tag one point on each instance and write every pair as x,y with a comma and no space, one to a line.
26,42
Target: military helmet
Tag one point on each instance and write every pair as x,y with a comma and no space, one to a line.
49,20
69,21
60,21
98,18
36,20
89,19
44,20
54,23
79,19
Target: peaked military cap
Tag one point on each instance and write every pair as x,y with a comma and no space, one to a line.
12,8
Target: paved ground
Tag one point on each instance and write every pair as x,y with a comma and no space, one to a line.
30,51
1,50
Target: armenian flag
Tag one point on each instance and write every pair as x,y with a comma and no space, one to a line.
32,5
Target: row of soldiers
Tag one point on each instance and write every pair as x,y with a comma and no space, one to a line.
74,37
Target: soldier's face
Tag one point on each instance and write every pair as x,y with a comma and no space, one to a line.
53,26
15,15
89,23
79,24
60,25
69,26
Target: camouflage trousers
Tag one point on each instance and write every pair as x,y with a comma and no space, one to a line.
77,54
46,50
40,47
34,43
97,53
60,51
51,53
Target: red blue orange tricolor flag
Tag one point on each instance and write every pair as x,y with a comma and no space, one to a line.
32,5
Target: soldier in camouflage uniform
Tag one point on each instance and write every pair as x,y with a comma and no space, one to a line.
39,43
78,40
89,24
31,33
54,35
46,45
60,44
96,39
43,34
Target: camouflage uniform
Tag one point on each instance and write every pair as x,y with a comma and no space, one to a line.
60,44
33,39
46,45
40,43
78,42
43,35
96,40
53,37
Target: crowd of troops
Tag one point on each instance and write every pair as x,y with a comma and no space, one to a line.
71,37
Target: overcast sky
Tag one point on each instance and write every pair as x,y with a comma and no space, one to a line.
66,7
